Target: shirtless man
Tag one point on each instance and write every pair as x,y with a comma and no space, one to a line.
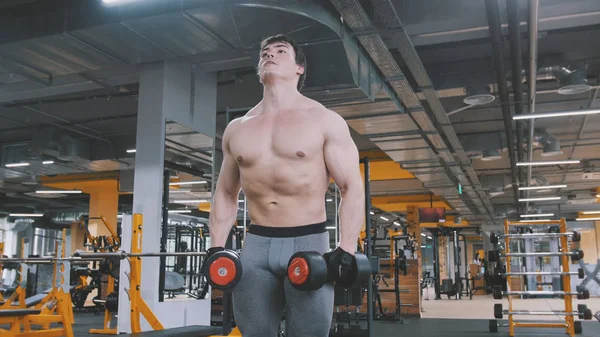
283,153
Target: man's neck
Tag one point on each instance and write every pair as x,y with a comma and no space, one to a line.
279,96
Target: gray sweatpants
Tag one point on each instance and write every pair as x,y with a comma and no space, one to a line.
264,290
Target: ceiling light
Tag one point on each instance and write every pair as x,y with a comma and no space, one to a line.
587,219
479,95
591,212
179,191
180,211
547,187
538,220
539,199
58,192
396,223
536,215
423,246
382,218
187,182
17,165
48,162
34,215
329,200
241,200
429,237
371,213
330,227
556,114
131,151
542,163
423,234
191,201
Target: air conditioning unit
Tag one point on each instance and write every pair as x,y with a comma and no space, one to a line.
581,198
591,176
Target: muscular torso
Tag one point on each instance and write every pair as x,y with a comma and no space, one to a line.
282,168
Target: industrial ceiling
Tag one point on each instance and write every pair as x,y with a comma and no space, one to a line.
430,85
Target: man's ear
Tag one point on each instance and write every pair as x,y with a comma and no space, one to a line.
299,69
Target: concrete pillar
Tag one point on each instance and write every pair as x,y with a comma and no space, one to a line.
169,91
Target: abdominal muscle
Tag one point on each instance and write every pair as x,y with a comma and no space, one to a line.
277,200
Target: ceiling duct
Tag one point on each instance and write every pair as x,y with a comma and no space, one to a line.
479,95
550,144
486,146
505,210
572,82
496,184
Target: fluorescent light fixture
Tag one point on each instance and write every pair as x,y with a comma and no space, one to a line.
597,195
543,163
591,212
539,199
396,223
530,188
330,227
58,192
429,237
48,162
556,114
329,200
180,211
423,246
423,234
241,200
372,213
383,218
179,183
34,215
131,151
191,201
587,219
536,215
539,220
179,191
17,165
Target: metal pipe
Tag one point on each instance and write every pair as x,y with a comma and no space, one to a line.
533,50
517,69
367,240
457,282
436,262
123,254
496,34
164,234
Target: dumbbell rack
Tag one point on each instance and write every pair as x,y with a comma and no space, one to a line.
565,275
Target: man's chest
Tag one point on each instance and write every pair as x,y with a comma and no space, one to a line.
295,139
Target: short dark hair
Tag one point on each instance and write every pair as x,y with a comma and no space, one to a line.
300,57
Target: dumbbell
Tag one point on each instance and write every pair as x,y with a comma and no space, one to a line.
584,312
223,269
308,271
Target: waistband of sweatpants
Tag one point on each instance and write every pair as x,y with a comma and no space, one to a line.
287,232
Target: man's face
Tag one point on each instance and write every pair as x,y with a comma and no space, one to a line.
278,59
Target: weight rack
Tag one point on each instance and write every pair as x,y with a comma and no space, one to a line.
566,292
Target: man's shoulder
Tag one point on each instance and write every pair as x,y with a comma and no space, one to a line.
319,110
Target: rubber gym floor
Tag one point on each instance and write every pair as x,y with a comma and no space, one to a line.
426,327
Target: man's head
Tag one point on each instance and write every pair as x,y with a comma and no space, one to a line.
281,56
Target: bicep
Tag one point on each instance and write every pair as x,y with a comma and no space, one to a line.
341,156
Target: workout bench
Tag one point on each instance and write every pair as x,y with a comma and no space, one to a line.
25,317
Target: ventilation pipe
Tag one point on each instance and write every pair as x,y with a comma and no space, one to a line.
493,16
550,145
533,52
572,82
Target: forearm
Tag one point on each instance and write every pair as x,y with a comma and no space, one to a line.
222,218
352,215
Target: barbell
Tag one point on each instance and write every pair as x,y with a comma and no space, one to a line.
497,291
582,312
580,273
495,237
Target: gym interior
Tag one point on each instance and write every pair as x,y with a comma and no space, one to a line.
476,123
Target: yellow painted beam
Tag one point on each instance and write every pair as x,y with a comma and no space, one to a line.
374,155
401,206
104,201
386,170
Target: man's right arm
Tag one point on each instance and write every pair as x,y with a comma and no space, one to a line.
225,203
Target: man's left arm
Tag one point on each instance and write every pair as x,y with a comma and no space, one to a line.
342,160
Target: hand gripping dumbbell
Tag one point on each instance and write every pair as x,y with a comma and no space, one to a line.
222,268
311,270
